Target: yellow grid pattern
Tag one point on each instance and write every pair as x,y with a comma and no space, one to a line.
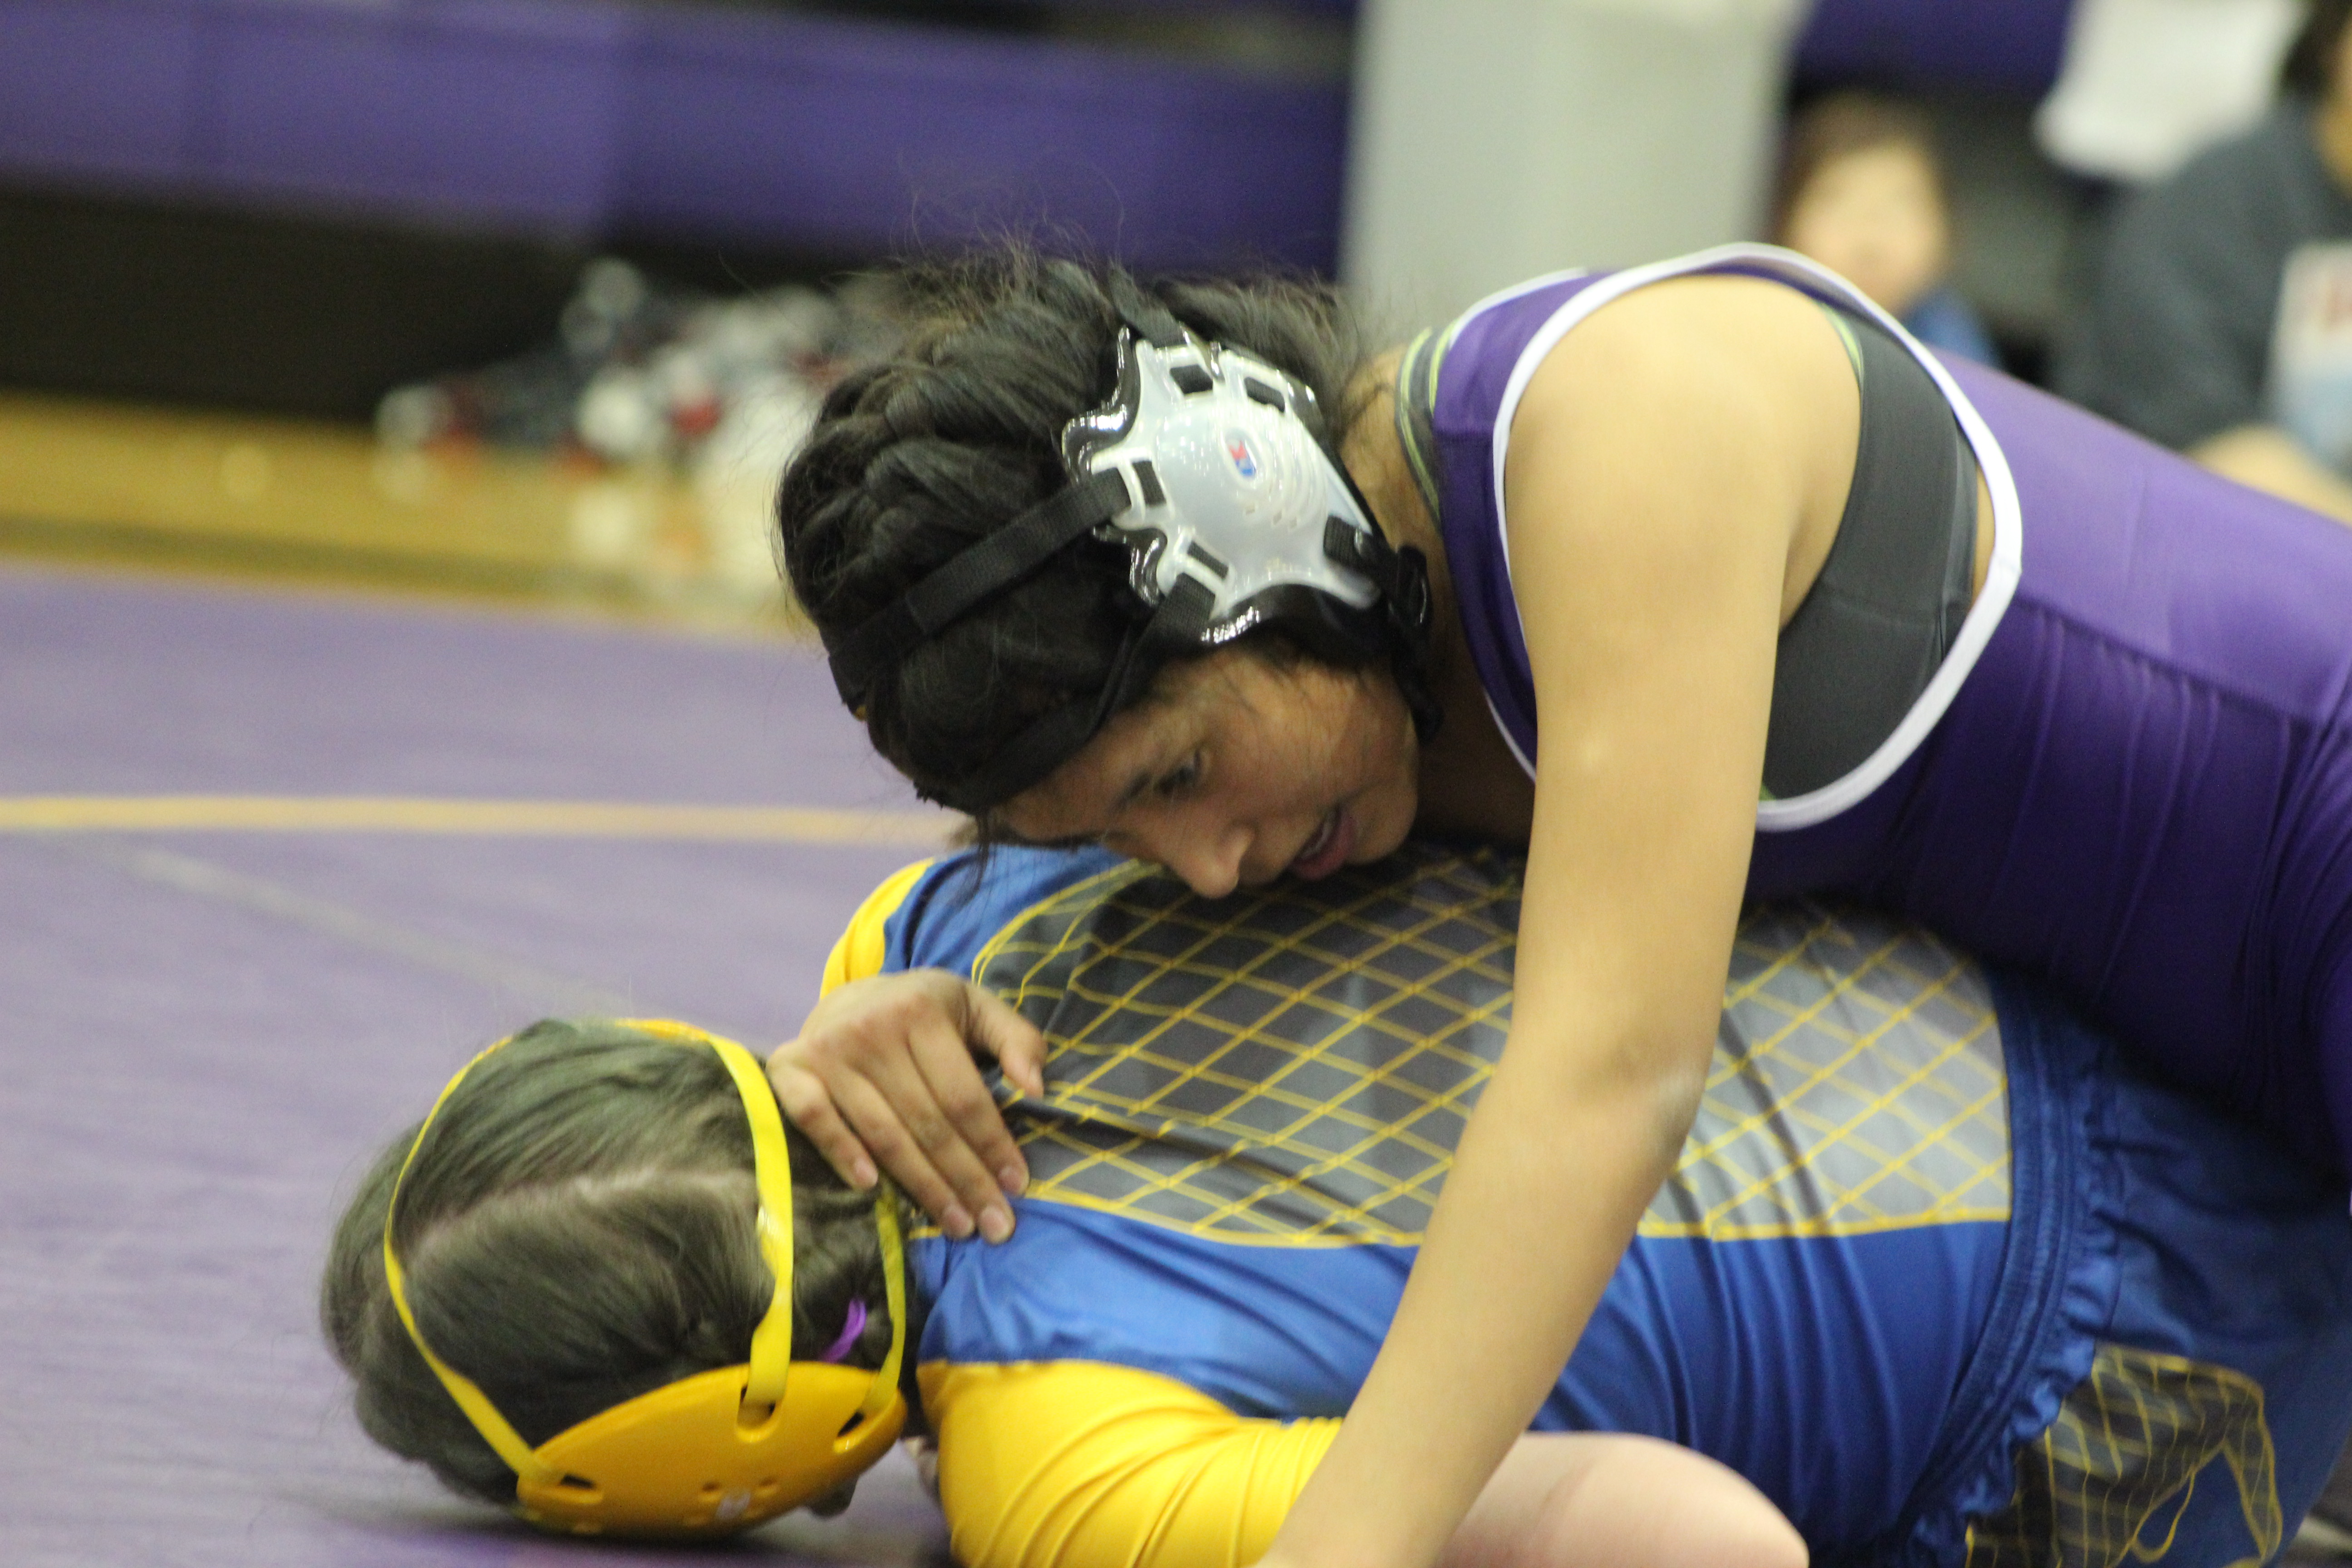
1297,1067
1283,1067
1858,1085
2111,1477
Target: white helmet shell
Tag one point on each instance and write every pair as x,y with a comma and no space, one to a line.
1232,487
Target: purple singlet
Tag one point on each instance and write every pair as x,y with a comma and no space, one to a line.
2132,773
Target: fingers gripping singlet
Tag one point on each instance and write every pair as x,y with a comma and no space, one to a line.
2131,773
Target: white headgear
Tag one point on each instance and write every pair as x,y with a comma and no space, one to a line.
1214,469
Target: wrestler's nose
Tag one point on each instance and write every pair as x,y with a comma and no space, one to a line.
1206,855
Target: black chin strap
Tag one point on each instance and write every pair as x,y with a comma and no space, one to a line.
1174,629
1401,575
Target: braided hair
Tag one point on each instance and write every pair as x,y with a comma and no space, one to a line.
915,459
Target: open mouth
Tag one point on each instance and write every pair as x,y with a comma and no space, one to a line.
1335,838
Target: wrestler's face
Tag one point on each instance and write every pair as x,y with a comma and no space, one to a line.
1876,217
1236,770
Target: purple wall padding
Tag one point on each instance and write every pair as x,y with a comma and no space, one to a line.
594,117
486,108
2000,46
98,89
869,134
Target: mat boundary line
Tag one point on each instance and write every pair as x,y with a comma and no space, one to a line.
452,816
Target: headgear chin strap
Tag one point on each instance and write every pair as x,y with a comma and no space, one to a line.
723,1449
1213,468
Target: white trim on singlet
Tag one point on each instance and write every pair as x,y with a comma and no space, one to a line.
2008,522
1517,290
1504,730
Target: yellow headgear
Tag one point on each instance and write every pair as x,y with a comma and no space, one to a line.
722,1450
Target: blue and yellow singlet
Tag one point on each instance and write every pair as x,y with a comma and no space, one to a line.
1934,1271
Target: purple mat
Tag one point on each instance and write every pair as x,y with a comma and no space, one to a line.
207,1035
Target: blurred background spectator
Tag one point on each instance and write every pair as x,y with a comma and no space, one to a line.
1862,192
2220,318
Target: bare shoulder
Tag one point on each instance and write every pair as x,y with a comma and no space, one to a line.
1704,346
1713,402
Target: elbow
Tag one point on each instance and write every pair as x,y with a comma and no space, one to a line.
1642,1103
1636,1096
1674,1097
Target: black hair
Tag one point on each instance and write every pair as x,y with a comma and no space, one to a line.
915,459
579,1227
2309,68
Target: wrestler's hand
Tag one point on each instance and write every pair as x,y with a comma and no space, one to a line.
883,1073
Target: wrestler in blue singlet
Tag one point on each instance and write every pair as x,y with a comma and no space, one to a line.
1932,1272
2131,774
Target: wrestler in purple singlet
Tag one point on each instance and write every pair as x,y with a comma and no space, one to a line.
2133,773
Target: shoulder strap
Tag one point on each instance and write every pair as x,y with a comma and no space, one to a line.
1416,412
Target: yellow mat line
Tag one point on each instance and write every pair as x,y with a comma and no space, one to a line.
541,818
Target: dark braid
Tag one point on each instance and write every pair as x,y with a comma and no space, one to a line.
915,459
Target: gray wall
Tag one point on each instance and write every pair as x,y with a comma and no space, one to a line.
1494,139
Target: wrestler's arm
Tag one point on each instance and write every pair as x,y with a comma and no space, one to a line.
882,1070
1670,457
1116,1467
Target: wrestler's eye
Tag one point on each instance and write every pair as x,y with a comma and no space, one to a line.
1180,780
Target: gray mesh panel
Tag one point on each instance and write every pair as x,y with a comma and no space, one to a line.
1297,1064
